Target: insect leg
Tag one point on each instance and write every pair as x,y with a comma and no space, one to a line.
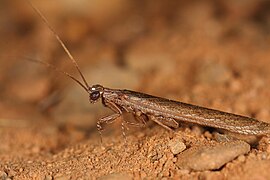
142,118
168,122
134,124
110,118
123,126
107,120
159,121
116,109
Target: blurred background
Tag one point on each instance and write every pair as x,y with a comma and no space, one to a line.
210,53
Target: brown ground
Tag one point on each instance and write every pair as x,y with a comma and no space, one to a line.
211,53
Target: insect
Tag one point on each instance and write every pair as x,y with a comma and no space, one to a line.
167,113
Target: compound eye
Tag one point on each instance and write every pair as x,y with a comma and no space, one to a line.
94,95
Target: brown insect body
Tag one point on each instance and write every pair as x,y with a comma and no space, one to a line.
169,113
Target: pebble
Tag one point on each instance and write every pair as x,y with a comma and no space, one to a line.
48,177
241,158
211,157
3,175
176,146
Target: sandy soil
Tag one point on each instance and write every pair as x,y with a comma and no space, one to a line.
212,53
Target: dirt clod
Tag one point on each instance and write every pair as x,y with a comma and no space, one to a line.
176,146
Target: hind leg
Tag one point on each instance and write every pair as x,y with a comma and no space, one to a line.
167,123
156,120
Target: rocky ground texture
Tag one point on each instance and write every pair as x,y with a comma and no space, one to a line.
210,53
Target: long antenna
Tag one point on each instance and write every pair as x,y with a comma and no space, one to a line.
60,41
56,69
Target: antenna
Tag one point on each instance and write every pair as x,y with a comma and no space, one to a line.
58,70
63,46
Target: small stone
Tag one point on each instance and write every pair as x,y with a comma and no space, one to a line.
174,160
263,156
241,158
48,177
176,146
211,157
3,175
